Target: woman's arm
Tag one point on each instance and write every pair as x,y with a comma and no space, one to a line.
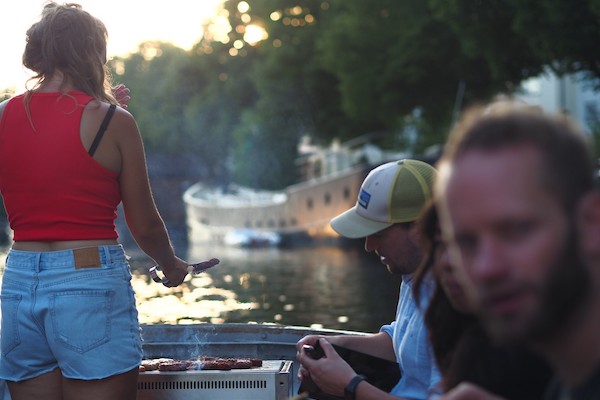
469,391
142,216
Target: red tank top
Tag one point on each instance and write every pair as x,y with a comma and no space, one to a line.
52,189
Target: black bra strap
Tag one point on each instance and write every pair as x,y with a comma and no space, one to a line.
102,129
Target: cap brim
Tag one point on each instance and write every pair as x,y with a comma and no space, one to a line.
351,225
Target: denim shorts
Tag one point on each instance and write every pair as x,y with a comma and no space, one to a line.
72,309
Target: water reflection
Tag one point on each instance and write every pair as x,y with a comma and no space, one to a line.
196,301
322,286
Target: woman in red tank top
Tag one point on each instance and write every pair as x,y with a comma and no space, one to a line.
68,156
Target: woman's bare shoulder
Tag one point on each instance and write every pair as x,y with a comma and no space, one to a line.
124,131
121,118
125,122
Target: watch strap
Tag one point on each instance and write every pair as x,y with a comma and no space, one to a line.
350,389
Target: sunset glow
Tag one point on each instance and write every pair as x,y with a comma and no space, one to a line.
128,23
255,34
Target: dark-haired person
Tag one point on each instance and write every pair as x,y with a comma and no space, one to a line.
522,219
68,157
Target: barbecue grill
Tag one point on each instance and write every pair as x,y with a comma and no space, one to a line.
272,381
275,345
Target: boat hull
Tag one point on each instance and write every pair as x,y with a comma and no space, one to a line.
300,212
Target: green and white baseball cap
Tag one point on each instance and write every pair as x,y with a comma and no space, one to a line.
392,193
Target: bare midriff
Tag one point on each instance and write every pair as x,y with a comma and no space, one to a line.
61,245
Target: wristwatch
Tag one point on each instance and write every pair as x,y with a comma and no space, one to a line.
350,389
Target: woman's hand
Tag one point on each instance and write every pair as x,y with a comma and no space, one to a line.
121,94
175,273
469,391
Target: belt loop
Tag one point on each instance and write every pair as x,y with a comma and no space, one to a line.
106,251
38,262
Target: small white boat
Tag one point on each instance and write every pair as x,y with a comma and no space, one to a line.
251,238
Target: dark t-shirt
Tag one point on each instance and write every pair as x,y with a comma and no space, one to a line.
511,372
589,390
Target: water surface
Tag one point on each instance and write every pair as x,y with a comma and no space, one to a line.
325,286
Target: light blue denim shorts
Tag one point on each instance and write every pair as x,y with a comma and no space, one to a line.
73,309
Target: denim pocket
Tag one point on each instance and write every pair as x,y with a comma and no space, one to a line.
81,319
10,337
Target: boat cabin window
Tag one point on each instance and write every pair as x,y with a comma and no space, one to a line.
346,193
327,198
309,204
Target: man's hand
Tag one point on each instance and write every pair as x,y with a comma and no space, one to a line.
309,340
331,373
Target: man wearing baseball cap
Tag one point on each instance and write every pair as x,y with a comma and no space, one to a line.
389,202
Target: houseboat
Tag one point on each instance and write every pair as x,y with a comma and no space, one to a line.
331,179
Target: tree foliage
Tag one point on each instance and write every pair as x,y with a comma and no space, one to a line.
341,68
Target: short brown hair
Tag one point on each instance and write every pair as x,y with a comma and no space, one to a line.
568,168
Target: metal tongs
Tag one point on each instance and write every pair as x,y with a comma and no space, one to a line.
192,269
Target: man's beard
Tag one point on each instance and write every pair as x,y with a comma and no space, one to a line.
566,288
411,261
